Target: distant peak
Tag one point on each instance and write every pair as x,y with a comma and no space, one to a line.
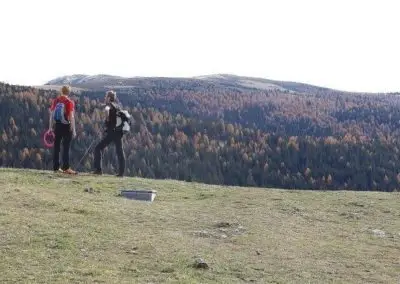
80,78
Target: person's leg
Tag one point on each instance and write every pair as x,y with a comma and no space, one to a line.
57,147
97,152
120,152
67,137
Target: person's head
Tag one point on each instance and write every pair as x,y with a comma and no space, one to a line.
111,97
65,90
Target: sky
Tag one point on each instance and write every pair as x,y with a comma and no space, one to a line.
344,44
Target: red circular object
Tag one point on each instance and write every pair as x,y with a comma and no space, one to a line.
49,138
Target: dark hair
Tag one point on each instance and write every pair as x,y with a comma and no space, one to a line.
112,96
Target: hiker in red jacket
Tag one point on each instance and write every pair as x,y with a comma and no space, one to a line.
62,112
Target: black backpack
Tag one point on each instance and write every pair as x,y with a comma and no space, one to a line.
122,119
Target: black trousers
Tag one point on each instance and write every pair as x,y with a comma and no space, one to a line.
111,136
63,134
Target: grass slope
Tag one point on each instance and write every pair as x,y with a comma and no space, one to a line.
53,231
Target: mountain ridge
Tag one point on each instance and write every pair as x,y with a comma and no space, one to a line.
106,81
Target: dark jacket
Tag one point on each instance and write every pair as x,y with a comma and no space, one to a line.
111,120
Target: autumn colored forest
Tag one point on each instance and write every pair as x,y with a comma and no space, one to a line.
193,131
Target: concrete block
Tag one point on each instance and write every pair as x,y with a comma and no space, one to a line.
143,195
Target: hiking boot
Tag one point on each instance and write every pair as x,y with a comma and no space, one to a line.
70,172
58,171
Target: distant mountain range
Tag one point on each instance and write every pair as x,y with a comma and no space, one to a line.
104,81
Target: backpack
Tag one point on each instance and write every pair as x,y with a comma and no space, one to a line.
123,119
59,113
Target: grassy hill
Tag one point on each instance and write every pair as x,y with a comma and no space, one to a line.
54,230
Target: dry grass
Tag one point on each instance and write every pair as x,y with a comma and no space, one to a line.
52,231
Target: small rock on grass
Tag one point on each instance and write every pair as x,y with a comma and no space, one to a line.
200,264
379,233
223,225
91,190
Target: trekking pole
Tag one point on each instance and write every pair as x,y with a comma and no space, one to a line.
84,155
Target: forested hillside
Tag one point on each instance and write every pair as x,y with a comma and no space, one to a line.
320,112
233,136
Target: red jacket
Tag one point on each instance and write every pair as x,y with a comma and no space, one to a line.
69,105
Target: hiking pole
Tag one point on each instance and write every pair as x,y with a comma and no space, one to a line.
84,155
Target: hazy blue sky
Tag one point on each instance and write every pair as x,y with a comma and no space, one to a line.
346,44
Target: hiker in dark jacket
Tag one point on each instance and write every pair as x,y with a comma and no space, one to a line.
113,134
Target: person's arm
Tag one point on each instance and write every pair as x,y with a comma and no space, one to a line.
106,117
51,119
107,112
72,118
51,111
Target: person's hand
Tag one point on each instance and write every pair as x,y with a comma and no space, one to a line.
74,134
